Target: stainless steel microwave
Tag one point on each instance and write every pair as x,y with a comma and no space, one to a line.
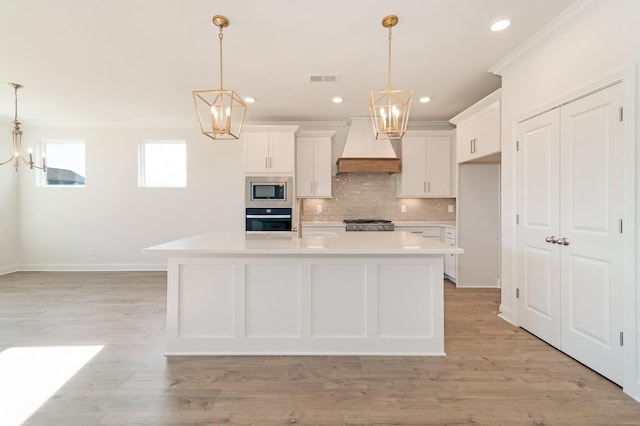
269,191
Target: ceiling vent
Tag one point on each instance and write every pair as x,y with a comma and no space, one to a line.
330,78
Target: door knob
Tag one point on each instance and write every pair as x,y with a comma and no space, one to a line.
552,239
563,241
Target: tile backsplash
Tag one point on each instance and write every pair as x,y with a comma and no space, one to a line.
373,196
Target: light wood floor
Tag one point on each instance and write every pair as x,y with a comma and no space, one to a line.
493,374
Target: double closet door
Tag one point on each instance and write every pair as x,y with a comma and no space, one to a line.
570,240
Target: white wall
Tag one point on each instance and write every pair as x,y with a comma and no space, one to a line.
115,217
602,44
9,243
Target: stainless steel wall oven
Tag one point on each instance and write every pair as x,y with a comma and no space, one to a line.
268,219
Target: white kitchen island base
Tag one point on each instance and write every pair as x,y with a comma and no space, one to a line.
309,301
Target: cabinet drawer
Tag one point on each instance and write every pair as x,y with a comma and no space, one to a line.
450,233
431,232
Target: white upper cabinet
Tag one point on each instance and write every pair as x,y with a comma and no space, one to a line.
426,165
269,151
478,130
313,164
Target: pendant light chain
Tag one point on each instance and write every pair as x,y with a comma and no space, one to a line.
15,118
389,65
220,36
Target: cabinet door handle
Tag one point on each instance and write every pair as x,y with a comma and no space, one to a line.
428,186
471,146
552,239
563,241
424,186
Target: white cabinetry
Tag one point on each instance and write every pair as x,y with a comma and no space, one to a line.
432,232
321,230
426,165
269,150
313,164
450,259
441,234
478,130
478,193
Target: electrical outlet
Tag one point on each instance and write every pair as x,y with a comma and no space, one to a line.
450,208
403,209
319,208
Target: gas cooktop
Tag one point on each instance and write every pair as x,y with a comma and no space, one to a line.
368,225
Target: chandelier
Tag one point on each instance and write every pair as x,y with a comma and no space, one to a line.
220,112
389,108
17,155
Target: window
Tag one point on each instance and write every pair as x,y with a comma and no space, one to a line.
163,164
65,162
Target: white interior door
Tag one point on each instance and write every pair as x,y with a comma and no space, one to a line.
591,207
538,208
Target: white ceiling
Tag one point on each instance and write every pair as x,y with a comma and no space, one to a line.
135,62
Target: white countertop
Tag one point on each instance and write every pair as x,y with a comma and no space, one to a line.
240,243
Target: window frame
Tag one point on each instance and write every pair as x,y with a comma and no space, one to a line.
142,165
43,177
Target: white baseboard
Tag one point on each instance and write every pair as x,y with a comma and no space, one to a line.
507,315
50,267
9,269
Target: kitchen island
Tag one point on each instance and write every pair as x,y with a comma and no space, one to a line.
342,293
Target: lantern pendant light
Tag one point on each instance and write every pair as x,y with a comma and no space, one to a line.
220,112
389,108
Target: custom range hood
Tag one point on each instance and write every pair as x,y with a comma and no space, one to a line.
363,153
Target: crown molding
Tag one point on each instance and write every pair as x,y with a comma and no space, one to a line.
491,98
567,19
248,125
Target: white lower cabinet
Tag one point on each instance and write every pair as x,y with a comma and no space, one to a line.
450,260
321,230
305,304
432,232
443,234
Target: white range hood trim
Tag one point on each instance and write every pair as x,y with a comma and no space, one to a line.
362,153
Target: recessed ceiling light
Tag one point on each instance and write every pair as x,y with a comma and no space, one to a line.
500,25
425,99
249,100
336,99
